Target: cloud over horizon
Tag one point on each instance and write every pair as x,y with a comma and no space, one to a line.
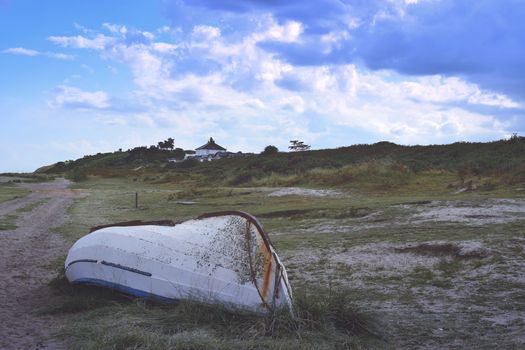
202,76
481,41
329,72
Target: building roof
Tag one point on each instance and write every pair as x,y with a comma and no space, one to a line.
212,145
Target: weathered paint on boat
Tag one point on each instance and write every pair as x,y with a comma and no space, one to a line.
223,257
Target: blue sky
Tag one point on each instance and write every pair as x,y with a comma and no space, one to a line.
81,77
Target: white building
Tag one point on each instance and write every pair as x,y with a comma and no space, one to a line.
209,149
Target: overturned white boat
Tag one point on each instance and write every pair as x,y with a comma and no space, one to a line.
223,257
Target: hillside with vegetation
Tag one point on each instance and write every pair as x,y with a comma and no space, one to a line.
383,166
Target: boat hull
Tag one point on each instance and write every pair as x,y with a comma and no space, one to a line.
223,258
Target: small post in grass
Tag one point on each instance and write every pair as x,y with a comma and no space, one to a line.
136,199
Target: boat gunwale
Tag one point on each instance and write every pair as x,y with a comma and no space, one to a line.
136,223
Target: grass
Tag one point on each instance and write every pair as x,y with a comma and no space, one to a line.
7,223
450,268
372,175
30,207
323,319
9,191
396,271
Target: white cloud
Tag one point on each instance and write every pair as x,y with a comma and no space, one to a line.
165,48
239,87
206,32
384,108
333,40
289,32
72,97
115,28
60,56
123,31
83,29
169,30
33,53
22,51
150,71
203,37
294,103
164,29
440,89
492,99
99,42
148,35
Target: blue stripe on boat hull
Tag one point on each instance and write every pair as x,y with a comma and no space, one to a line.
124,289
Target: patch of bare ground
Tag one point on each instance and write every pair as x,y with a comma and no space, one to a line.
430,295
305,192
360,262
478,213
337,221
488,211
24,254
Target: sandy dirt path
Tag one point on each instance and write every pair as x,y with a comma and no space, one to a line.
25,255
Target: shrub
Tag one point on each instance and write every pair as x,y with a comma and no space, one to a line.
78,174
270,149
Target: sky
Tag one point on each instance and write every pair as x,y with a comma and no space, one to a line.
82,77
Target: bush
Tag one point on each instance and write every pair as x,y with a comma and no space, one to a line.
77,174
269,150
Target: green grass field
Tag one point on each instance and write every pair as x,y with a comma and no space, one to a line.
418,265
9,191
8,223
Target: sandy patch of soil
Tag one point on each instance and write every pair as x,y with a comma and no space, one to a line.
305,192
485,212
420,304
490,211
25,254
364,260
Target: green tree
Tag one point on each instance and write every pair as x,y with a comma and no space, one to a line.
167,144
296,145
270,149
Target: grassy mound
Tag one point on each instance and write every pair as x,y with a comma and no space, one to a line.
380,166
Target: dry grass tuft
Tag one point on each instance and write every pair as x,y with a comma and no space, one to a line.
322,318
